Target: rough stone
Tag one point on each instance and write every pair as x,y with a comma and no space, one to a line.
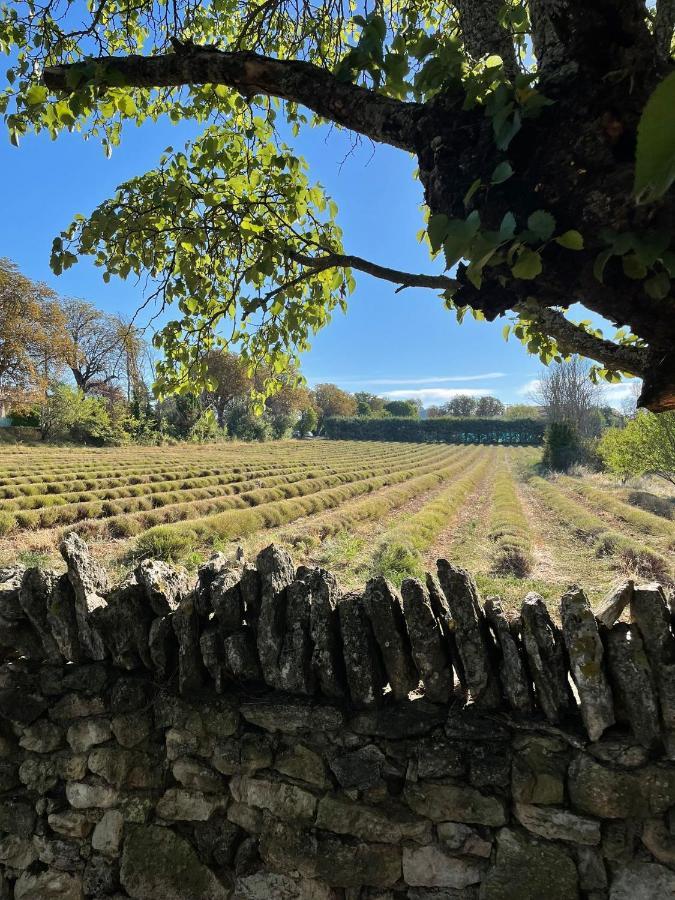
546,658
376,824
178,804
538,870
361,769
90,583
363,665
276,571
49,885
324,629
251,592
62,619
75,706
329,859
163,647
642,881
159,865
100,877
558,824
124,623
85,795
285,801
17,817
213,657
303,764
107,836
86,733
70,824
131,728
240,654
454,802
515,683
633,682
196,775
42,737
429,649
17,852
463,840
295,672
216,840
620,794
592,871
266,885
649,611
164,585
185,621
38,773
586,658
412,719
291,715
471,634
227,602
206,575
242,756
35,592
659,841
384,609
432,867
613,605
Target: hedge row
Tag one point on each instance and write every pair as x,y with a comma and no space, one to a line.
449,430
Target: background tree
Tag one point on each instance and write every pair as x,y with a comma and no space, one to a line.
646,446
369,404
489,407
462,405
567,394
308,421
523,411
330,400
536,128
406,408
96,352
229,381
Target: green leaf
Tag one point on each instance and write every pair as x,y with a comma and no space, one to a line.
437,229
542,224
528,265
460,233
658,286
472,190
633,267
601,261
502,172
506,330
570,240
655,153
35,95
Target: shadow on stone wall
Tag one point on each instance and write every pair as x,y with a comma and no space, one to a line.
260,734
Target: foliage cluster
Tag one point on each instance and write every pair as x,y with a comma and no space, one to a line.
459,430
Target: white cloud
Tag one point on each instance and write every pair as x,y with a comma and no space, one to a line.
529,388
432,379
430,396
610,393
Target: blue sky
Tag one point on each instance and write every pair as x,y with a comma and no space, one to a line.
398,345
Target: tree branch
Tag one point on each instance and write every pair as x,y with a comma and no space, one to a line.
373,115
573,338
347,261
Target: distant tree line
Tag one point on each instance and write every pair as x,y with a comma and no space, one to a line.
469,430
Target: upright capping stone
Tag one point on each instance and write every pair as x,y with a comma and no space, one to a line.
365,674
324,630
383,608
633,682
276,571
586,657
251,593
226,601
185,622
474,645
546,658
163,646
429,650
514,678
206,575
241,655
90,583
37,588
124,624
295,657
213,656
614,603
650,613
62,620
441,610
164,585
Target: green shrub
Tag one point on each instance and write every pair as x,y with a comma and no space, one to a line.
7,522
398,561
164,542
562,447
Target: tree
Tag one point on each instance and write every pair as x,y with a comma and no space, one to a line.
523,118
98,348
307,422
229,380
562,447
489,407
31,334
567,394
330,400
462,405
646,446
67,413
369,404
406,408
523,411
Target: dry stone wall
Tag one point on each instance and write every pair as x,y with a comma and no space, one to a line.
260,734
